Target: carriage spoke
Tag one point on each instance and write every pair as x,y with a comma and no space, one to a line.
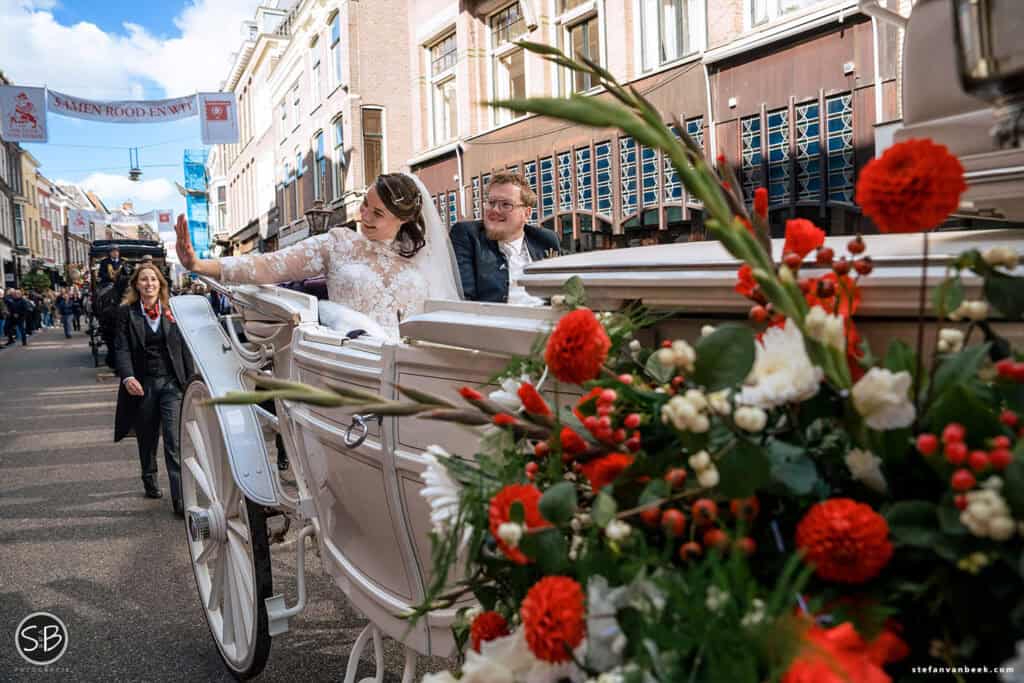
228,607
213,465
210,552
232,508
235,526
199,475
216,582
242,585
195,433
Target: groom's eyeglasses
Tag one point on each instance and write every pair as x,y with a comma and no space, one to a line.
500,205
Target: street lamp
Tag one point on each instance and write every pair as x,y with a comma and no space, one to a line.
990,58
317,217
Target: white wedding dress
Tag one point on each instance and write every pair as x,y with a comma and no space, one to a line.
368,276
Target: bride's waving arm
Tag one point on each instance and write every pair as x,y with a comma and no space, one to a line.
303,260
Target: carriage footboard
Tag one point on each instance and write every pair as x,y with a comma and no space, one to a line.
222,369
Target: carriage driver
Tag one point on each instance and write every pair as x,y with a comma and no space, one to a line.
110,267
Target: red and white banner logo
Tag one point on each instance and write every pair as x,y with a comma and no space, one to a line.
218,115
217,111
22,114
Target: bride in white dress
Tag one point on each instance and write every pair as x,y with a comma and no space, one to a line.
400,257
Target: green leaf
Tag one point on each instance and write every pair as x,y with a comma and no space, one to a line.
1013,482
548,548
604,509
899,356
575,293
791,467
949,521
743,469
516,512
970,405
914,523
1006,293
558,504
948,296
655,490
959,367
658,372
724,357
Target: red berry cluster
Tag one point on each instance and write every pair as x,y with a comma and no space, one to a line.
956,452
1010,370
826,257
705,522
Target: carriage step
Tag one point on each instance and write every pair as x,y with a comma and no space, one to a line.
278,613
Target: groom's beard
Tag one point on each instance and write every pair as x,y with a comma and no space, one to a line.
504,232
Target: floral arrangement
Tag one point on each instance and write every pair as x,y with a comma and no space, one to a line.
769,502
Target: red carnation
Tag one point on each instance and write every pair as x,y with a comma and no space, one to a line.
533,401
487,626
761,202
912,187
470,394
553,618
745,282
572,442
839,655
500,511
606,469
802,237
845,540
577,348
504,420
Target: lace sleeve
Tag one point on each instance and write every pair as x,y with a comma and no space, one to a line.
308,258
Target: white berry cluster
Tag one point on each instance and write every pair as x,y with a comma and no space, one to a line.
825,328
719,402
951,340
617,530
687,412
715,599
987,515
972,310
680,356
707,473
750,418
1001,256
756,614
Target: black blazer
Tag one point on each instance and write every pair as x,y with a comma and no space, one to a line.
130,360
483,268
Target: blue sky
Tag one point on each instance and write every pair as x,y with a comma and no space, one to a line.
120,51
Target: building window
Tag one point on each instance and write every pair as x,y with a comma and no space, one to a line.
695,129
338,176
839,110
476,198
603,166
373,143
315,78
627,170
335,50
565,181
808,152
665,30
508,61
581,36
444,108
296,104
530,173
762,11
319,167
750,164
282,115
649,176
547,187
584,180
672,187
453,210
778,157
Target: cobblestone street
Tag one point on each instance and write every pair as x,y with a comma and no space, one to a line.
78,539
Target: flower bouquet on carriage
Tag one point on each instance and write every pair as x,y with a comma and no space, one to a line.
772,501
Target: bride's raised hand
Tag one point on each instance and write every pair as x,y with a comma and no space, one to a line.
183,245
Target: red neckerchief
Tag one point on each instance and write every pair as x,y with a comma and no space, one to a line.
154,312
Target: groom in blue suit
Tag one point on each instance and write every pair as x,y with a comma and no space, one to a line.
493,252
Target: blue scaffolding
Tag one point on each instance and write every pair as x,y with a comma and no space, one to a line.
196,200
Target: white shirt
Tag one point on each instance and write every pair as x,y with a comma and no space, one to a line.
518,256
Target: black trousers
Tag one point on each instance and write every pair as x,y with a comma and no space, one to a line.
158,414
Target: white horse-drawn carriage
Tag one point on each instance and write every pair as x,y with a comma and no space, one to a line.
357,477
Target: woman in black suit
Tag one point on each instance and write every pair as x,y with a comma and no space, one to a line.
154,366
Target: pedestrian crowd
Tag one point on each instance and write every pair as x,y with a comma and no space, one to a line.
23,313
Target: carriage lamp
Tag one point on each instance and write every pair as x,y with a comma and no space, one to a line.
317,217
990,59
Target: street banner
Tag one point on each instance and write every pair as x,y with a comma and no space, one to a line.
23,114
218,118
127,111
79,221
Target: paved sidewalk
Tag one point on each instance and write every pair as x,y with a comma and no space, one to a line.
78,539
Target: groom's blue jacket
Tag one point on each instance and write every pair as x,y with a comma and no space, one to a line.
483,268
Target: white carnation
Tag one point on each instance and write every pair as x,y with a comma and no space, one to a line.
882,398
782,372
865,467
441,493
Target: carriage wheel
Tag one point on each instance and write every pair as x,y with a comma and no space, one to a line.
227,540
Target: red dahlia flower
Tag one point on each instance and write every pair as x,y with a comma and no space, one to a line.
912,187
553,618
487,626
802,237
846,541
500,511
840,655
606,469
533,401
578,347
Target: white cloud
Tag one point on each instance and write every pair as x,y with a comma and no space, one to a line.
117,189
84,60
